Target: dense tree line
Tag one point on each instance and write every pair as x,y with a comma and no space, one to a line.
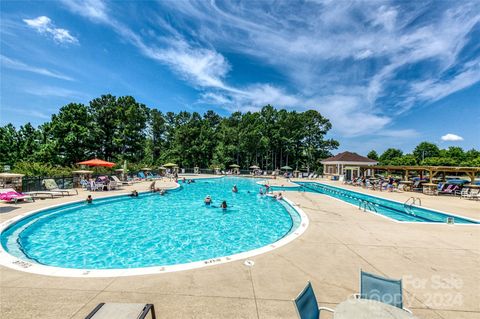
428,154
117,129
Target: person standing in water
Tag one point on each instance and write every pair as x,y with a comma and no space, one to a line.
235,189
224,205
208,200
89,199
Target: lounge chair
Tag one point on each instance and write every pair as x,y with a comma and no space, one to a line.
119,182
37,194
374,287
10,195
417,186
52,186
473,194
141,175
464,192
122,311
449,190
306,304
97,186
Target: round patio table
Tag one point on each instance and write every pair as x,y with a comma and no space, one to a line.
368,309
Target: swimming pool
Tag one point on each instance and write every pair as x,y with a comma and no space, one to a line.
389,208
152,230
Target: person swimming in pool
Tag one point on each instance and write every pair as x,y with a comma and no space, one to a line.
208,200
235,189
224,205
279,197
162,192
261,192
89,199
134,194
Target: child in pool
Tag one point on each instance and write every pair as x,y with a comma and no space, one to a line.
89,199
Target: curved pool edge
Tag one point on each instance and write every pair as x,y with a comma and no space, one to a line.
15,263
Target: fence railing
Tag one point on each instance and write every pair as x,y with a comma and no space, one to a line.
30,184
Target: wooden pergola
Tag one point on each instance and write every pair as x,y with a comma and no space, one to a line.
433,171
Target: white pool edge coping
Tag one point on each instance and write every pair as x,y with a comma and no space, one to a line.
15,263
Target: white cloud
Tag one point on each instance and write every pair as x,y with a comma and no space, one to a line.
45,25
93,9
339,57
434,90
202,67
18,65
45,90
451,137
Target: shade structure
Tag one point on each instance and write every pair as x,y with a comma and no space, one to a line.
254,166
97,162
170,165
162,168
234,166
286,168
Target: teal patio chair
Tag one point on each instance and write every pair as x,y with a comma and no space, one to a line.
386,290
306,304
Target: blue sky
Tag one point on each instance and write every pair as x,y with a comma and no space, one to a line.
386,73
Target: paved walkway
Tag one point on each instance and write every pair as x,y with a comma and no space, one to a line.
439,264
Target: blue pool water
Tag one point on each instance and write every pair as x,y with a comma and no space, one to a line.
391,209
153,230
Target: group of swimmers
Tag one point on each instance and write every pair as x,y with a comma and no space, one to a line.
208,199
190,181
208,202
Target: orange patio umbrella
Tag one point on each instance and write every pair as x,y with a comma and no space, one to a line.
97,162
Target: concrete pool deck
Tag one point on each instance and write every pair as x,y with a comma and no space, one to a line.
439,264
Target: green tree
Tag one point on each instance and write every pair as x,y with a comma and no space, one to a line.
29,140
373,155
425,150
389,155
130,133
70,134
9,152
405,160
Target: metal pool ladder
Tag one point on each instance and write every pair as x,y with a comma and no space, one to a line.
365,204
410,202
